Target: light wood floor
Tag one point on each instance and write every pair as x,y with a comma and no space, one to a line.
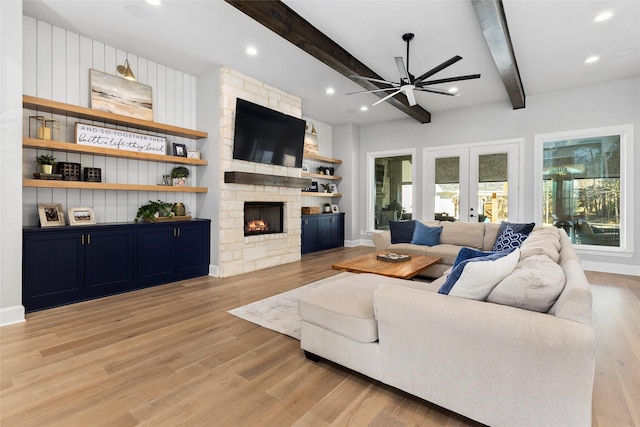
171,355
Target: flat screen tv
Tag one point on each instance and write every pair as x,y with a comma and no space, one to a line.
264,135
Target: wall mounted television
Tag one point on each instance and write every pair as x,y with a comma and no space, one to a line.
264,135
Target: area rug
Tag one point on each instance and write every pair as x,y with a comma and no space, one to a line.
280,312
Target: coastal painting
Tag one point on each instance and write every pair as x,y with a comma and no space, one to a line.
120,96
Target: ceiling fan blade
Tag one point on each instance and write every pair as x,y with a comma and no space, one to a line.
440,67
450,79
438,91
404,75
373,91
387,97
411,97
355,76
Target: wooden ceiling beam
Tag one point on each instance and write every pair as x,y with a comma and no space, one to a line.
284,21
493,21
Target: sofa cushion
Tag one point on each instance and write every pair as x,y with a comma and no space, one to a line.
401,231
345,306
509,239
490,235
407,248
425,235
543,241
463,234
475,278
534,285
447,252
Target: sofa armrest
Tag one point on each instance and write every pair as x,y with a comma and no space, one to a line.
381,240
479,359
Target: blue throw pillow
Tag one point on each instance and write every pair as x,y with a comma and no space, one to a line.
509,239
468,253
425,235
401,231
457,271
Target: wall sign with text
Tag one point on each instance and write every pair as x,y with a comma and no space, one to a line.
98,136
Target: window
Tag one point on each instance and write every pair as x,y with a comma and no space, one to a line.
391,189
585,185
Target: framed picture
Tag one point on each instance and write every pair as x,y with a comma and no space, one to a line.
334,188
305,168
179,150
81,216
193,154
116,95
314,187
334,209
51,214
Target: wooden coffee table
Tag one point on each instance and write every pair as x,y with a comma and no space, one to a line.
401,270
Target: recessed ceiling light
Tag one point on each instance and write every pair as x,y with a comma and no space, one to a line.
453,90
591,59
251,50
154,2
330,91
364,108
603,16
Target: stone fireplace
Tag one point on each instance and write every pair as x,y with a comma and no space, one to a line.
263,218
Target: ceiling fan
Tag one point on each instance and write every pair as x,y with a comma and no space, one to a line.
408,83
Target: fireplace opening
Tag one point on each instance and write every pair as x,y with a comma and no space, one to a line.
263,218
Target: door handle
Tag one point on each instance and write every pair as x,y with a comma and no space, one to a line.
88,239
82,239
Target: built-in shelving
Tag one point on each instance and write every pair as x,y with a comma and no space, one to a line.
322,158
322,176
55,107
49,183
318,194
108,152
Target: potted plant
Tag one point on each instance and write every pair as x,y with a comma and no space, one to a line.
179,174
322,170
46,162
327,208
327,188
153,210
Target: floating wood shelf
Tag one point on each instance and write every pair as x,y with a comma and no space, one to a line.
55,107
109,152
46,183
249,178
322,158
321,176
318,194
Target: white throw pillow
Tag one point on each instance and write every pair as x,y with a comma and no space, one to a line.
479,278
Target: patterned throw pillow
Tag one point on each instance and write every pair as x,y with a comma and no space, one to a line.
509,239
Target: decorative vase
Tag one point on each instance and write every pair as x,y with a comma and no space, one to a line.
46,169
178,209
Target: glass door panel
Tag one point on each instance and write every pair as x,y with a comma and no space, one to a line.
393,190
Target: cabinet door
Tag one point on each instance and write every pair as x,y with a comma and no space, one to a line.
309,234
324,231
156,254
109,261
337,230
53,269
192,249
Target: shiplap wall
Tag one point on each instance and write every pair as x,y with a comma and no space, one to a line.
56,65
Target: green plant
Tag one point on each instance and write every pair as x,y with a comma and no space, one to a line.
148,212
327,187
180,172
321,170
46,159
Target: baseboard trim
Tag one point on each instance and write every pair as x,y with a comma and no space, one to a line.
608,267
11,315
358,242
213,271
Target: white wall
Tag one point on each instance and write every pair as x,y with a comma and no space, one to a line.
56,65
11,309
607,104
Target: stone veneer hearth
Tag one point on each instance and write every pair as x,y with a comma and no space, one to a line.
238,253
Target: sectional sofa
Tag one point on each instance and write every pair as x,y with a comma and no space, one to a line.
505,360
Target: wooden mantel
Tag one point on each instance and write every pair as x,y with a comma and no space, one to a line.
250,178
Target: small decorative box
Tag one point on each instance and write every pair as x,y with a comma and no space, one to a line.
69,171
93,174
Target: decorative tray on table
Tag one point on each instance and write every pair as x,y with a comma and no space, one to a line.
392,257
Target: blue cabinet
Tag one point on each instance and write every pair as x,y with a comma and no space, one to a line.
322,231
70,264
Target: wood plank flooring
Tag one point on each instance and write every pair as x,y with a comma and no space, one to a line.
171,355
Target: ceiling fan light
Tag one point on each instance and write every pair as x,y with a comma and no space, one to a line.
453,90
603,16
364,108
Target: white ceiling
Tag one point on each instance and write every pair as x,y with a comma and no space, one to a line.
551,40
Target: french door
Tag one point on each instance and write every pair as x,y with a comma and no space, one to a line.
476,183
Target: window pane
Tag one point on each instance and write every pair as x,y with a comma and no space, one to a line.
493,189
393,190
447,203
581,189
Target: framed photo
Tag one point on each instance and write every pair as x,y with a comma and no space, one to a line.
81,216
305,168
193,154
116,95
179,150
51,214
314,187
334,188
334,209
